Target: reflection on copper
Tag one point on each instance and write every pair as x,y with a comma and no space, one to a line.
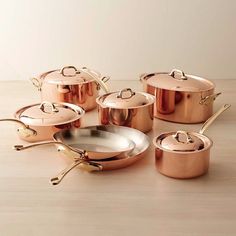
138,118
83,95
181,107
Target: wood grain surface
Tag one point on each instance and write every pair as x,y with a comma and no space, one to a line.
136,200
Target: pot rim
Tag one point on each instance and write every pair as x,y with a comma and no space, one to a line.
152,98
145,80
201,136
43,78
76,109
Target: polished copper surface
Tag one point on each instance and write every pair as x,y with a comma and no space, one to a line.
180,100
127,111
181,107
34,123
188,157
79,86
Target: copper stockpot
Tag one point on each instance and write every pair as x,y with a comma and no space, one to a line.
39,122
71,85
179,97
127,108
184,154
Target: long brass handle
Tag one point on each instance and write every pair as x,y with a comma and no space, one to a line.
58,178
24,130
62,147
213,117
97,78
82,164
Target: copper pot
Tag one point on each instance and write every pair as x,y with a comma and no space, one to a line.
127,108
179,97
39,122
71,85
184,154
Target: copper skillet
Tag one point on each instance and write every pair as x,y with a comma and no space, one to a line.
85,145
120,161
123,160
184,154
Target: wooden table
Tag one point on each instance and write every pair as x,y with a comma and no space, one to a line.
136,200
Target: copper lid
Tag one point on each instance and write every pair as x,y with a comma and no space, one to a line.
68,75
182,141
125,98
177,80
47,114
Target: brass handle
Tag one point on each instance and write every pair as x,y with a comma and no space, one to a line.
24,130
213,117
209,99
143,77
37,83
50,104
186,134
96,77
58,178
174,71
120,95
82,164
105,79
62,71
62,147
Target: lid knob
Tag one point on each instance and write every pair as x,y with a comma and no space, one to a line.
62,71
188,138
52,106
121,93
175,71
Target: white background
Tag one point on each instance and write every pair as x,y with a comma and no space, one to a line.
120,38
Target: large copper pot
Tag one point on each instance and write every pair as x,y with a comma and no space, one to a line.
179,97
184,154
127,108
71,85
39,122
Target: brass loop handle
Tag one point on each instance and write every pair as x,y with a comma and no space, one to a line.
62,71
213,117
90,166
24,130
209,99
82,164
58,178
96,77
174,71
120,94
37,83
186,134
105,79
76,153
49,104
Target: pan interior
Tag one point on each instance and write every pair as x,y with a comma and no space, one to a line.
140,140
99,144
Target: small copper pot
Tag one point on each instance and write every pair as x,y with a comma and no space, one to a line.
39,122
179,97
127,108
71,85
184,154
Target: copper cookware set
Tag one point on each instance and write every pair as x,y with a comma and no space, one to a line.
124,116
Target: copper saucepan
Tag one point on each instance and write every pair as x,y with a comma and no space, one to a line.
39,122
184,154
84,146
71,85
180,97
127,108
